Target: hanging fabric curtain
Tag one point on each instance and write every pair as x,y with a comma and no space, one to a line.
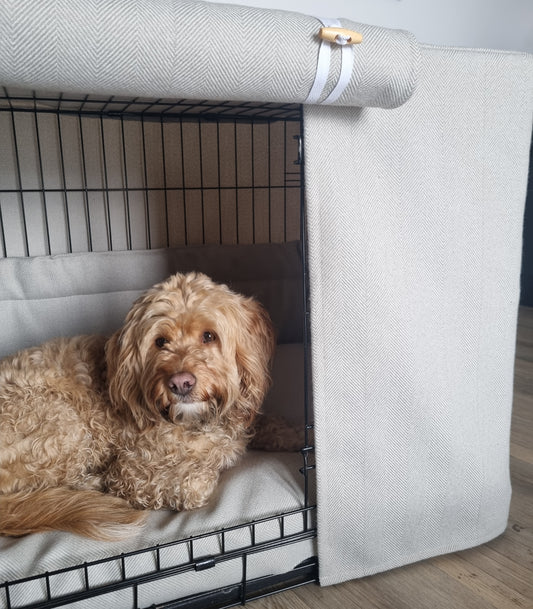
415,233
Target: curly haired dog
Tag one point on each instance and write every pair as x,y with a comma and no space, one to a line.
93,432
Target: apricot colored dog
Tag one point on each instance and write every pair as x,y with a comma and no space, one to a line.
93,432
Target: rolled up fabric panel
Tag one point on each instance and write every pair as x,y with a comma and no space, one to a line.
196,50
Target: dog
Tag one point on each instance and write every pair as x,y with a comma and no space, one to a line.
94,432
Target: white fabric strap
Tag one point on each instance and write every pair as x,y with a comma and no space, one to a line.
323,66
347,59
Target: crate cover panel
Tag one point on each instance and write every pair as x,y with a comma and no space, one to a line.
193,50
415,226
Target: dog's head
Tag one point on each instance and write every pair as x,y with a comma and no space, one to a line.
191,349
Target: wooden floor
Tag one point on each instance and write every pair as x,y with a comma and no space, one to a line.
498,575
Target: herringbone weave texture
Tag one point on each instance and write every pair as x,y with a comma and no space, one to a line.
415,223
194,50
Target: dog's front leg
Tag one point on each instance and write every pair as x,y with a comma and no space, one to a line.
197,487
162,483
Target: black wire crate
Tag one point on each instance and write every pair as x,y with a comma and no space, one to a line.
83,176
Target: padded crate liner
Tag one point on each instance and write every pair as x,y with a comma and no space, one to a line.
65,295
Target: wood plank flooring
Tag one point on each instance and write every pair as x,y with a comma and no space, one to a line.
498,575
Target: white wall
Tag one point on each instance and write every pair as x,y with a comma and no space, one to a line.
494,24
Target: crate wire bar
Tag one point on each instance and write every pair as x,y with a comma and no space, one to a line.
82,174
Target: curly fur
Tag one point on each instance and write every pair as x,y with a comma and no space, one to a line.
94,431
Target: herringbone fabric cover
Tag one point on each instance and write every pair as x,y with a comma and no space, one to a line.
415,224
193,50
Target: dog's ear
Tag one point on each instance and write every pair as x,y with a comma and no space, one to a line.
255,344
124,372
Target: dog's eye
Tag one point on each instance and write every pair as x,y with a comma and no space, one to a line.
160,342
208,337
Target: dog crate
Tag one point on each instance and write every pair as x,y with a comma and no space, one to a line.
154,180
371,197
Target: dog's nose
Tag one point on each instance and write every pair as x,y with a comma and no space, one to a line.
182,383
